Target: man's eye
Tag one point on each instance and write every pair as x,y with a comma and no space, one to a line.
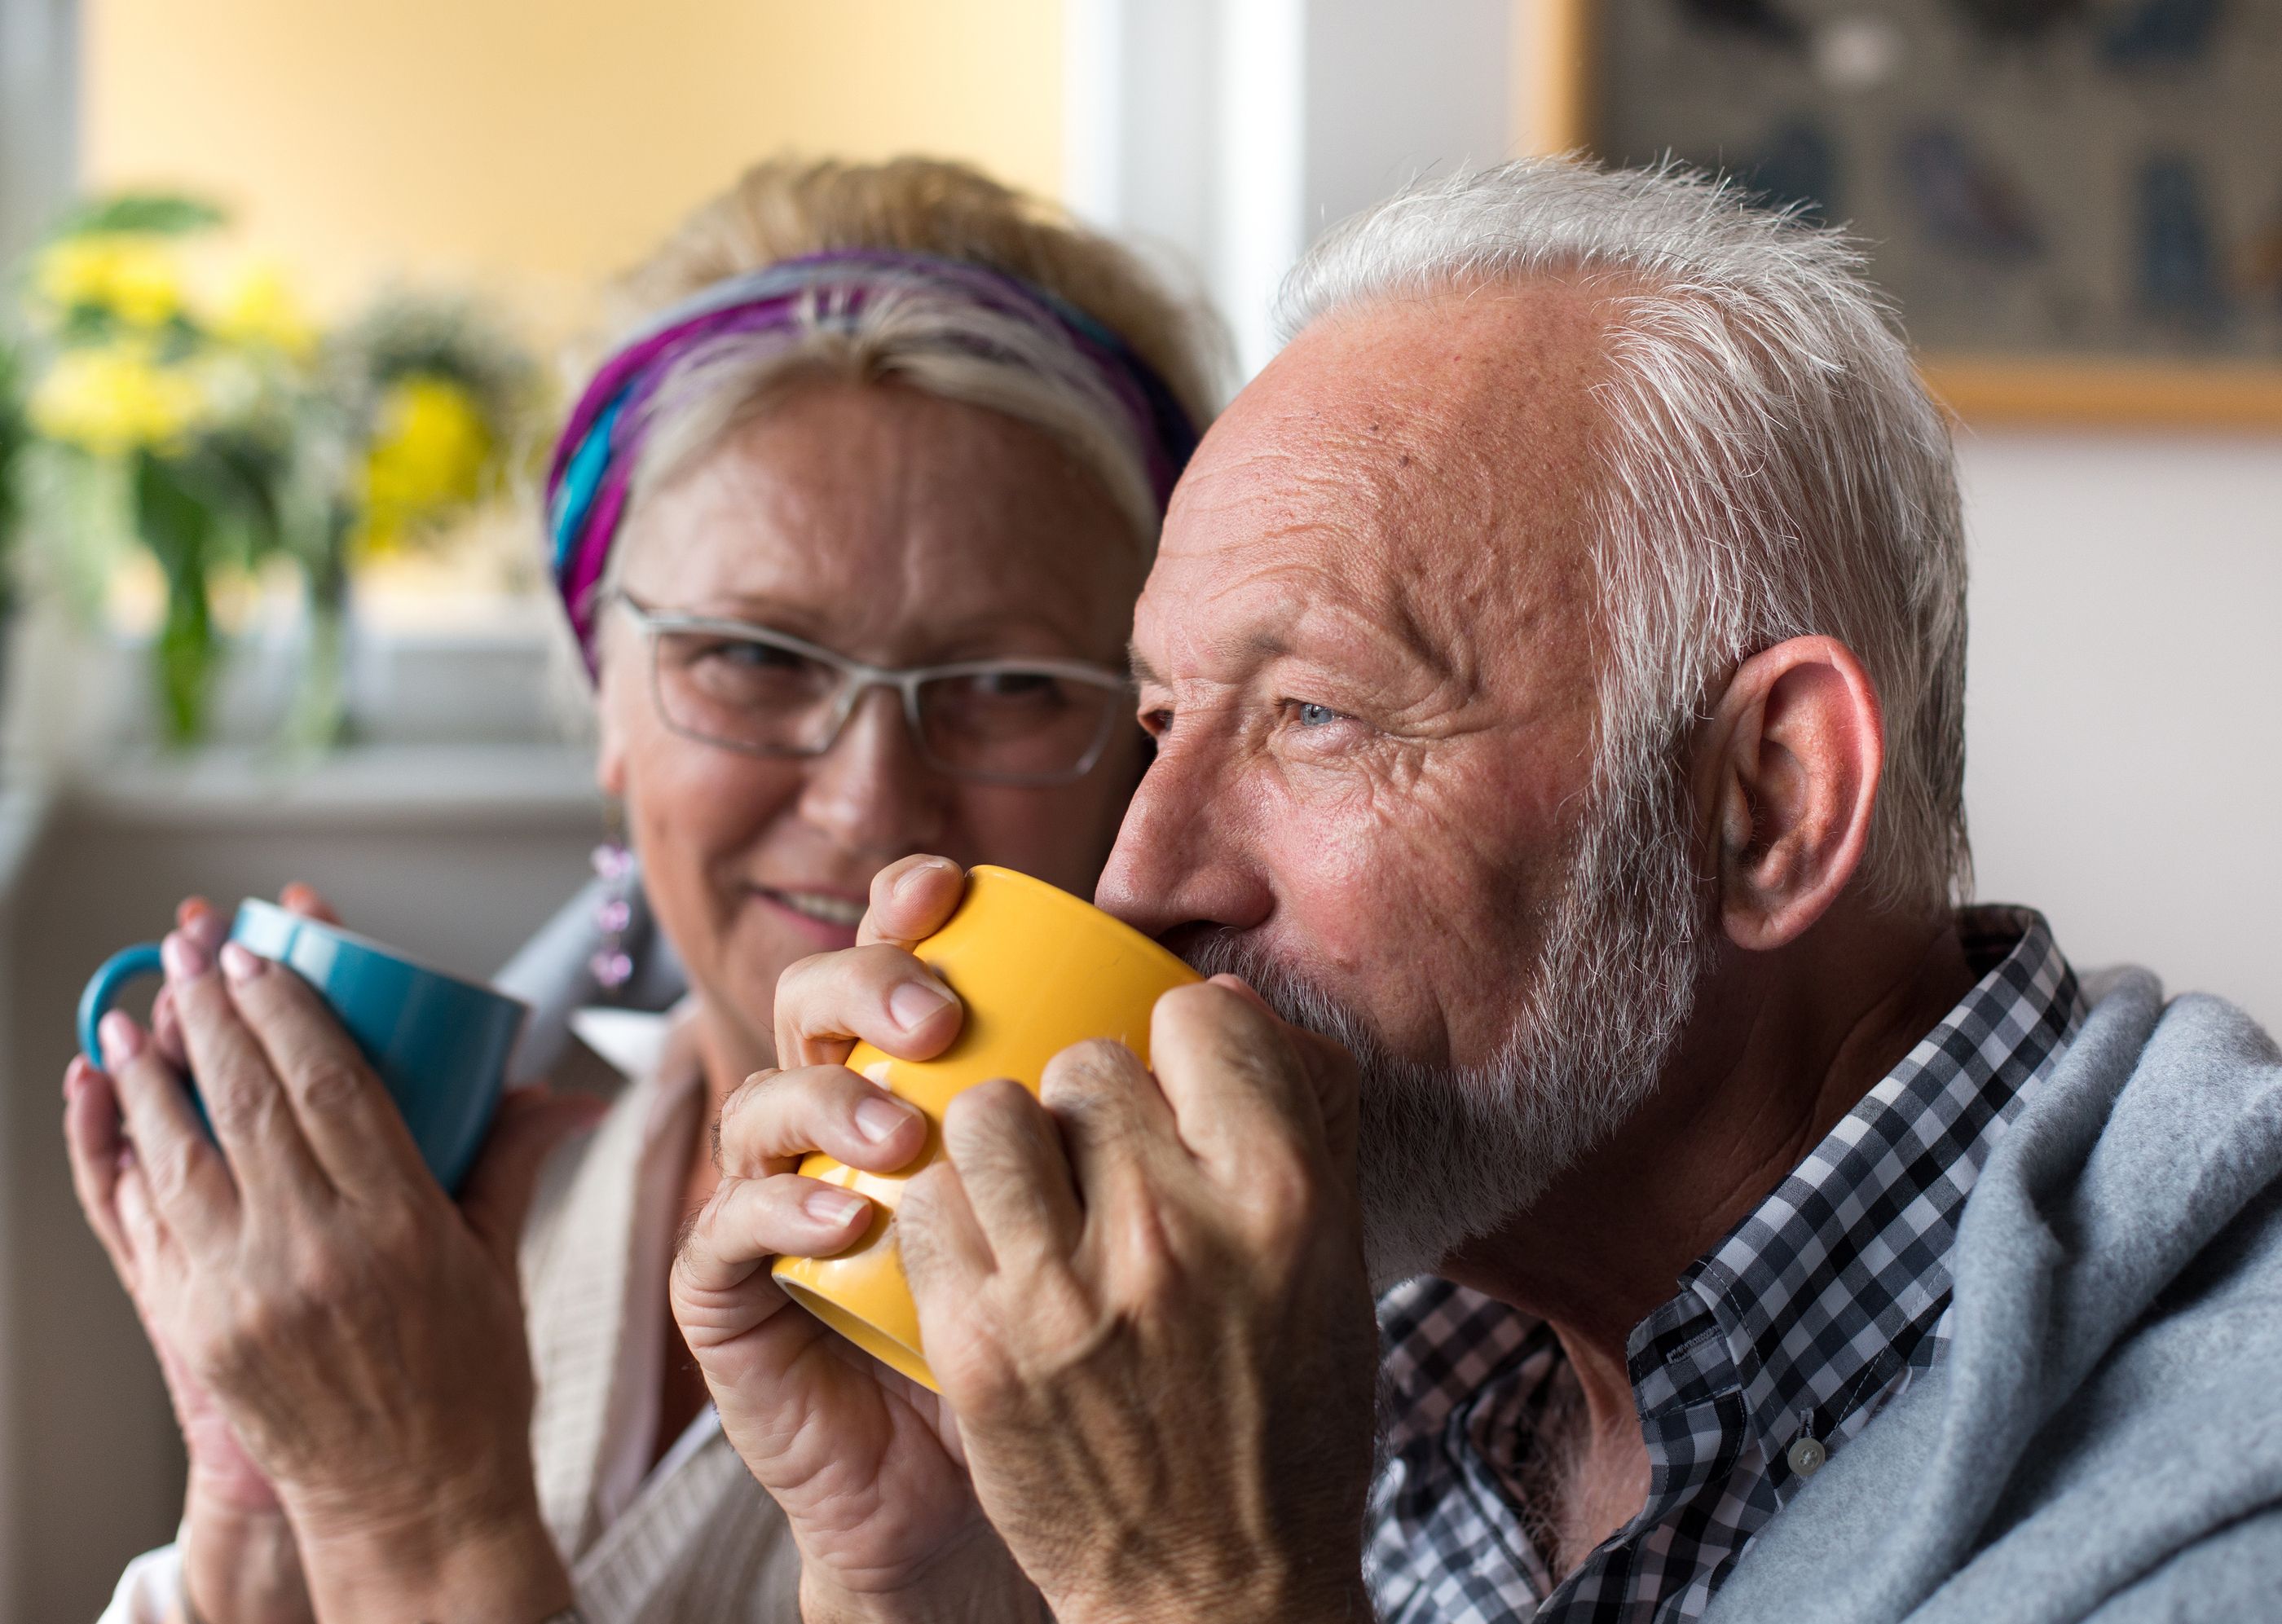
1157,722
1312,714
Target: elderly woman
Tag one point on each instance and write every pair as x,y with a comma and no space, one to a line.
849,529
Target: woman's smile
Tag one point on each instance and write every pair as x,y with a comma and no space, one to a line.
829,916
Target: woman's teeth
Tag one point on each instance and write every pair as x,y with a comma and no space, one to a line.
830,910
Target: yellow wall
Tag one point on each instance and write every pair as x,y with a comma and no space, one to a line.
534,146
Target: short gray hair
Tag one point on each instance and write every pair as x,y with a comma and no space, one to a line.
1776,467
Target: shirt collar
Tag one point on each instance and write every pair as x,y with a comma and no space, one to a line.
1822,1293
1799,1308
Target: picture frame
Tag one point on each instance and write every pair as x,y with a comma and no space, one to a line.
1565,45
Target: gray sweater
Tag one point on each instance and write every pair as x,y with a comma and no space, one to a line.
2104,1439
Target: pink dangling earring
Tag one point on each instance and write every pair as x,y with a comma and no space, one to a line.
612,966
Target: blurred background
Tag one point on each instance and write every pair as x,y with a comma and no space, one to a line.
293,285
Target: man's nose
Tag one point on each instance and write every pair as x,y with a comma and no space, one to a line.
1180,857
872,791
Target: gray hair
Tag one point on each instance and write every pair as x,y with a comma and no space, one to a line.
1776,467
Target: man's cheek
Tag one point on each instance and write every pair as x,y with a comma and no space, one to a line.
1361,879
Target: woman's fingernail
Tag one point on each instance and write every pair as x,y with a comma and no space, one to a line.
75,1075
240,963
919,874
207,928
835,1207
185,959
915,1002
121,1039
879,1116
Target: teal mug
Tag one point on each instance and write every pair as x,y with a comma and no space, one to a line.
439,1044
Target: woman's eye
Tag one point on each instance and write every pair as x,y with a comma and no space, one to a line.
754,656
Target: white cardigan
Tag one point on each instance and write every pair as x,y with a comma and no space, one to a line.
693,1540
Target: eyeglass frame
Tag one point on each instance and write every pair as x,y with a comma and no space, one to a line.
860,677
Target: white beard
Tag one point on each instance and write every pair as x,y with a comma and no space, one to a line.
1448,1154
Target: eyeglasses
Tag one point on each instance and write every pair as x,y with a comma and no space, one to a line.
764,693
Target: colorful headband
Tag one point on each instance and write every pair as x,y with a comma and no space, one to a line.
594,460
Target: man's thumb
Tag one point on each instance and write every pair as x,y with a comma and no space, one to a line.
532,1122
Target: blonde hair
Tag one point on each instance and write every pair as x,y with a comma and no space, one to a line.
787,209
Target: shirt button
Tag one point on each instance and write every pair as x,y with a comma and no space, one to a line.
1806,1456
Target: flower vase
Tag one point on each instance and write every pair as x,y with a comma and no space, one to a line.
179,529
318,718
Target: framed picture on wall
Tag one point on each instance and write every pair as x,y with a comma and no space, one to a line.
2077,203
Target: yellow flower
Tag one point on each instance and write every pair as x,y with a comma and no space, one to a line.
427,457
117,396
134,275
257,306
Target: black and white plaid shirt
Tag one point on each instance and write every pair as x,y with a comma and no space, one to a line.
1781,1345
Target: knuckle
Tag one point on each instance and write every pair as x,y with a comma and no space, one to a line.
797,978
1184,1009
322,1282
329,1083
173,1171
923,1194
399,1234
1283,1195
1086,1068
986,1109
239,1107
734,1127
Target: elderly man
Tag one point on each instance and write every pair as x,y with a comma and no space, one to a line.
1556,664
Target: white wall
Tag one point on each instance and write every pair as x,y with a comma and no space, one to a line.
1232,132
2124,720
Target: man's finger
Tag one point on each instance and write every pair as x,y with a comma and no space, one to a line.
1118,1132
946,1255
1017,1183
878,993
1235,1083
180,1173
947,1264
911,898
245,1101
773,1118
353,1128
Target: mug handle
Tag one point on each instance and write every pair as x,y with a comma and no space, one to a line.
104,987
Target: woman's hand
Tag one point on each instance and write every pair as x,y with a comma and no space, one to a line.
239,1560
866,1463
362,1337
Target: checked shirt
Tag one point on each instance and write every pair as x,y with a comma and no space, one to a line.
1781,1345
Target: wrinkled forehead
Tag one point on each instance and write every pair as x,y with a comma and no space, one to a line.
1422,465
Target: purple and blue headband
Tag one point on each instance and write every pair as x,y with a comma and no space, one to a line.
594,460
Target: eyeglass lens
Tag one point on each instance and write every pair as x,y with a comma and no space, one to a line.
752,694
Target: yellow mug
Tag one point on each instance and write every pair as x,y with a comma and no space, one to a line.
1037,969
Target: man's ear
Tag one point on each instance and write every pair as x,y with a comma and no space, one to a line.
1788,775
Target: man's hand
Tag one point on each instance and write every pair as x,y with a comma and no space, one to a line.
1145,1299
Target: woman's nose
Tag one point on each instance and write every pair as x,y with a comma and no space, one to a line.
872,791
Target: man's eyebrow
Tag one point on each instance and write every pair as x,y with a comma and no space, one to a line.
1261,646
